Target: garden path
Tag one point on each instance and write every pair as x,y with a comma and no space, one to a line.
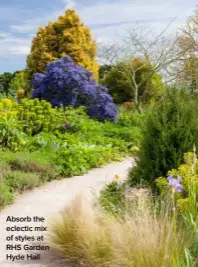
49,199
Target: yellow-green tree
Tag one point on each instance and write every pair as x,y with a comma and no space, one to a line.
19,81
134,80
67,36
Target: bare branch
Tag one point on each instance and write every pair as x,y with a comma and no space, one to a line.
158,51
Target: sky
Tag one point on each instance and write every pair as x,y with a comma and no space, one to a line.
108,20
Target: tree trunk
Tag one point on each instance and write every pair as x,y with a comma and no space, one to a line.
136,100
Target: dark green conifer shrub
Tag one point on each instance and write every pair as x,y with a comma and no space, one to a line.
170,131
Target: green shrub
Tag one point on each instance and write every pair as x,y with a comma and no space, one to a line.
6,195
30,163
10,135
33,116
72,146
20,181
19,81
121,85
122,133
4,166
185,200
23,159
130,118
112,198
78,159
38,116
43,142
169,132
121,136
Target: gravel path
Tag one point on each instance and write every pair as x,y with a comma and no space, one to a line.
46,201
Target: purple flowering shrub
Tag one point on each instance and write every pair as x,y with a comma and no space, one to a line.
65,83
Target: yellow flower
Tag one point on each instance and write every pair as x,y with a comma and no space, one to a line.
6,102
116,176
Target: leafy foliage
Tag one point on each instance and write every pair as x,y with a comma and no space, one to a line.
65,83
19,82
10,135
38,116
184,201
5,80
66,143
120,82
104,69
20,181
10,128
76,159
30,116
66,36
30,163
6,196
189,181
112,198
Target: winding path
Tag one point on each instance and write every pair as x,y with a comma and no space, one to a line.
47,200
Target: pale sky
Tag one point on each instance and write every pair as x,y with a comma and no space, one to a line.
108,19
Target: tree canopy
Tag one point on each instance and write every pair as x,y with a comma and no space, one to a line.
5,80
131,77
19,81
67,36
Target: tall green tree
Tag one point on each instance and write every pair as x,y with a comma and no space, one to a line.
5,80
134,80
104,69
19,81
